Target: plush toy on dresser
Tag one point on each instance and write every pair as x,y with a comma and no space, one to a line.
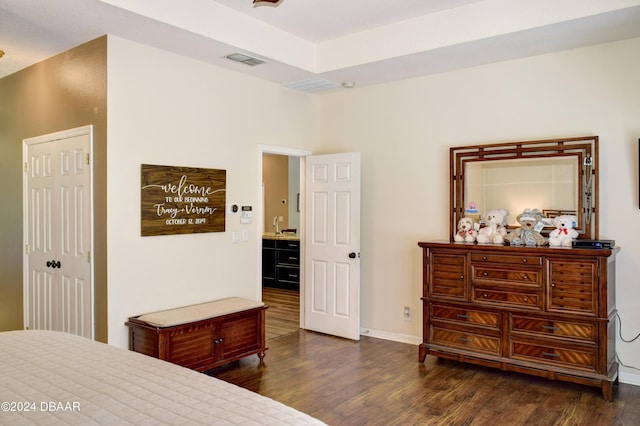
529,232
494,230
564,234
466,231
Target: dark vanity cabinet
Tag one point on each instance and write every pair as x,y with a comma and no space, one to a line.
281,263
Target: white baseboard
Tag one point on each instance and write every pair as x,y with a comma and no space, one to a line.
395,337
629,378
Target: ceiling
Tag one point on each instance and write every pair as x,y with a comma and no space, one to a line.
320,42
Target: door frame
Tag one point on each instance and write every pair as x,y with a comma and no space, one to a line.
52,137
290,152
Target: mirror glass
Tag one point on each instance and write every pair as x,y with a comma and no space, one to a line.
548,184
555,176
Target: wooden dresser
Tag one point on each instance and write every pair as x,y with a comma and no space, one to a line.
542,311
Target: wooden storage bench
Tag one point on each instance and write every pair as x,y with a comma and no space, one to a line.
201,336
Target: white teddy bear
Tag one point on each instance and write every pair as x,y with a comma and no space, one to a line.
466,231
564,234
494,231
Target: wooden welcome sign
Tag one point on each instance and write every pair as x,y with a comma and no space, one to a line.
182,200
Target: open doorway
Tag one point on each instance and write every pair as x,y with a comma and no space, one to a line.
328,241
281,226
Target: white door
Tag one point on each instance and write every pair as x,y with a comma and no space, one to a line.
332,244
58,285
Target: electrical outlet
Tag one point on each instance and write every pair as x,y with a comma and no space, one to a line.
407,313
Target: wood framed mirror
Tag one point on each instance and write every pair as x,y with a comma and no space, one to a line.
555,176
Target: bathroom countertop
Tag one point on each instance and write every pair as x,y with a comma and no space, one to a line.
286,236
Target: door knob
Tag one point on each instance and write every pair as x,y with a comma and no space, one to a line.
53,264
353,255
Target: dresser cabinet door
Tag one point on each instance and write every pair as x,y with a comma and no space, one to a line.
573,286
447,278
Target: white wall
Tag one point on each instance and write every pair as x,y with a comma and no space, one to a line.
169,110
404,131
166,109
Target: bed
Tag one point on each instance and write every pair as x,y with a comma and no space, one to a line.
49,377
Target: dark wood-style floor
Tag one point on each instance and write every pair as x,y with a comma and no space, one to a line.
283,314
380,382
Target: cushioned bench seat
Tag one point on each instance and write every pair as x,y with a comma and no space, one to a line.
202,311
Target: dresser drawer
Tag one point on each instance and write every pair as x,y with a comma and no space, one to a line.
522,277
575,356
506,298
508,259
487,319
553,328
468,341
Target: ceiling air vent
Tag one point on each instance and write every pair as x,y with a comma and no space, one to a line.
245,59
312,85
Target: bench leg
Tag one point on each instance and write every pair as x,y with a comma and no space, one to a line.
261,355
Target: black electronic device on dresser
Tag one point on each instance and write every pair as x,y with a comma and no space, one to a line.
281,263
539,310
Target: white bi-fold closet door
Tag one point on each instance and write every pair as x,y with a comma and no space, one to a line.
58,284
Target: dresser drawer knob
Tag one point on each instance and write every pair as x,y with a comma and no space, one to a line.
526,277
524,260
553,284
485,274
484,257
526,299
462,316
552,355
550,327
485,295
464,339
462,277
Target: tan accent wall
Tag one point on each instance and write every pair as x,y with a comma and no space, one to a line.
275,176
66,91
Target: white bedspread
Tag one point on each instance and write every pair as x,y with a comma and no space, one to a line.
54,378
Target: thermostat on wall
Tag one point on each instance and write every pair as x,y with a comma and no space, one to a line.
245,216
